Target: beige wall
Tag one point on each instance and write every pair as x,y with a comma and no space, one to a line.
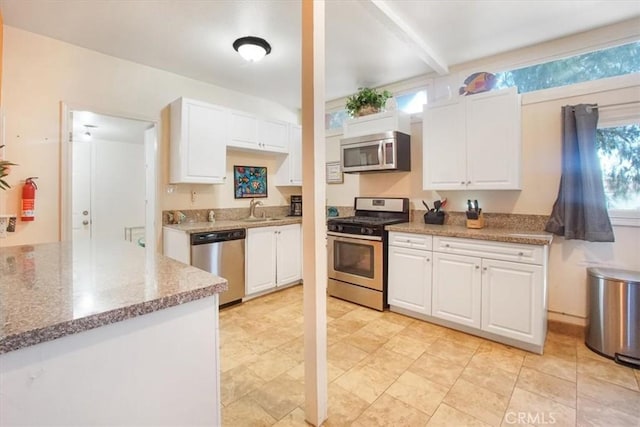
40,73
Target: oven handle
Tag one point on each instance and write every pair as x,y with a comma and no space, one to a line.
354,236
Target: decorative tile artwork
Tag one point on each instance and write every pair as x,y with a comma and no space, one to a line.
249,182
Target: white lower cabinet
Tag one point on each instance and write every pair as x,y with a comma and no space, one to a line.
273,257
512,299
456,289
492,289
410,273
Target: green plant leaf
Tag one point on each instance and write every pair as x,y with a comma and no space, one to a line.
366,97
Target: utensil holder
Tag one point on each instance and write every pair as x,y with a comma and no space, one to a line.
433,217
476,223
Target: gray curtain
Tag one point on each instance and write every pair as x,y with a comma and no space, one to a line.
580,211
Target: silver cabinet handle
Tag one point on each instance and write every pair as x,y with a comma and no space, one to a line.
484,269
520,253
428,259
85,222
461,182
446,245
85,213
477,267
468,182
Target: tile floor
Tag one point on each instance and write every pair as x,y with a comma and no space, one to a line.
386,369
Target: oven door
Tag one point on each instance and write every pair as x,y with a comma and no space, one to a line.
355,260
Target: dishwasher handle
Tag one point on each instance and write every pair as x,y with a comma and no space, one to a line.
217,236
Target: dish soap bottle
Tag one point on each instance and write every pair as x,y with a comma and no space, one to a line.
212,216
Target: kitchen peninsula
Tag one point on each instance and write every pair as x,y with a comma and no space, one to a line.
102,332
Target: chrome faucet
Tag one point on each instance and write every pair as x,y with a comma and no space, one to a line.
252,207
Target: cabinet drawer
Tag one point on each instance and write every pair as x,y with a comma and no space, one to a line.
410,240
529,254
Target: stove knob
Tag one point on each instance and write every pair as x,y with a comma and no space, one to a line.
370,231
363,230
340,228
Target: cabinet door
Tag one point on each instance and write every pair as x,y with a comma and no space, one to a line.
444,147
198,143
456,289
410,279
289,250
295,155
273,135
512,300
290,168
243,131
493,140
260,259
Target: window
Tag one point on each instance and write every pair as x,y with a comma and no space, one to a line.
614,61
618,143
619,152
410,103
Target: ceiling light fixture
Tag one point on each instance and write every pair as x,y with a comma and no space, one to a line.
252,49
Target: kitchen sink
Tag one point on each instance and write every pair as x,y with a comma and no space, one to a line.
261,219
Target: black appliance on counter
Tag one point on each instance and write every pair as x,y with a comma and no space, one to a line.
296,206
358,250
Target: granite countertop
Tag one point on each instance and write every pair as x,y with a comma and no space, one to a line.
509,235
203,227
52,290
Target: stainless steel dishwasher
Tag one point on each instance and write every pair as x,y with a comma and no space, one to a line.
222,253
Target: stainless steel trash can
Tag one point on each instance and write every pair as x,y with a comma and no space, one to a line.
613,321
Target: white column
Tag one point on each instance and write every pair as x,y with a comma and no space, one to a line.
314,219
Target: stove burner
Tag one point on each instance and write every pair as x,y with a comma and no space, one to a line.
366,220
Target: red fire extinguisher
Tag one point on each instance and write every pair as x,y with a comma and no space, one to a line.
29,199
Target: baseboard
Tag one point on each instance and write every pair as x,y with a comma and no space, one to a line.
563,328
566,318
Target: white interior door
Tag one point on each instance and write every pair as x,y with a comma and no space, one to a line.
113,178
81,195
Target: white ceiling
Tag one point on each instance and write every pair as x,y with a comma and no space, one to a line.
368,42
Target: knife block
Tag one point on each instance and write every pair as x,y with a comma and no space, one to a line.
476,223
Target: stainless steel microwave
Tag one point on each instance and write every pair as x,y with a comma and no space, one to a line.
380,152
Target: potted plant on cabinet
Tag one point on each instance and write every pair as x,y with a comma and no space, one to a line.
366,101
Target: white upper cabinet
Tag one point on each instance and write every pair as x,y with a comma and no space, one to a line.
253,133
198,142
473,142
290,169
243,132
273,135
377,123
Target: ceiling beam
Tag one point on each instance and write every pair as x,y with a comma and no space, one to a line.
390,19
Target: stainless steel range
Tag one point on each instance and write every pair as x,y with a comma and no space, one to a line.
357,250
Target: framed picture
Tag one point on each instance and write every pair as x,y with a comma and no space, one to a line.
249,182
334,173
